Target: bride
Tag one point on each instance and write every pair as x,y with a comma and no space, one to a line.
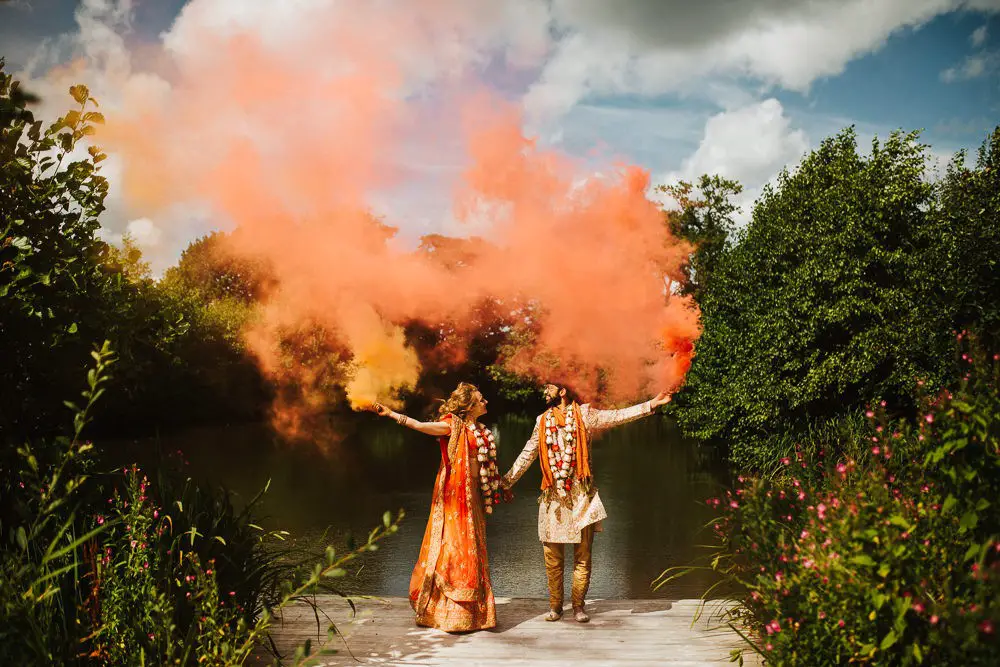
450,588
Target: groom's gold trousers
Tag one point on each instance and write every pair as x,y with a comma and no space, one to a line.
554,567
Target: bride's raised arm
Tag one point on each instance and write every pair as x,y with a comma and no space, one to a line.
430,428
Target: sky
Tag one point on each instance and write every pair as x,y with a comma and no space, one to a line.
743,88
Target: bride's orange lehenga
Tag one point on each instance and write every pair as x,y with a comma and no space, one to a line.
450,588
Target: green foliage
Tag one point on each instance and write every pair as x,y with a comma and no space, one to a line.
892,557
153,574
42,535
706,220
846,286
50,200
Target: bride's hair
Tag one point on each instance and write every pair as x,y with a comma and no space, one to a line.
460,401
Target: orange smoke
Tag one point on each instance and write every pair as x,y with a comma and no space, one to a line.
292,142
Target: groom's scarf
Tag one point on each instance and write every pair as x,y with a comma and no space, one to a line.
582,447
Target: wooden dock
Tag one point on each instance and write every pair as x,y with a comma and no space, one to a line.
620,632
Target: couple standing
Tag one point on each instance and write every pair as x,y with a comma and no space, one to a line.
450,588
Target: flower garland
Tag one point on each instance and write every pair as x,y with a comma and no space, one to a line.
562,459
489,475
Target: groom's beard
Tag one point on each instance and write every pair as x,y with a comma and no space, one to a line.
552,402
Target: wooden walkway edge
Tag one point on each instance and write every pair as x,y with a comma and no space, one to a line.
621,632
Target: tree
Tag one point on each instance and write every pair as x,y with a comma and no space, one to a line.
50,257
705,219
834,296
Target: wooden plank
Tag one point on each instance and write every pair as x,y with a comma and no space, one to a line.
621,632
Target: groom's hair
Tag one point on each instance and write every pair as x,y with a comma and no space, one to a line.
571,396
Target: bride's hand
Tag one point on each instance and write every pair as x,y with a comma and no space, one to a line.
380,410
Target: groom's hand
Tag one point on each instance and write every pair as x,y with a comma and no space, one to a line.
660,399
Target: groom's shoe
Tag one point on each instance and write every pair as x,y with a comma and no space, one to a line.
580,615
553,615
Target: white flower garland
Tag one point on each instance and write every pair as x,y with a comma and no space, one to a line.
562,457
489,475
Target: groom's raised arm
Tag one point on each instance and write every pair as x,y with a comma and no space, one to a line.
601,420
524,459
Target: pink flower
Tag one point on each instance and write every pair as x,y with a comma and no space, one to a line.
804,534
841,468
822,615
986,627
929,418
869,414
917,607
769,647
734,504
100,520
934,619
882,403
156,514
786,461
840,623
876,450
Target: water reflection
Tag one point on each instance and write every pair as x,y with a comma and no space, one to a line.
653,484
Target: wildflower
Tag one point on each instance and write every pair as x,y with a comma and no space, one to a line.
840,623
841,468
145,566
929,418
876,450
786,461
878,429
822,615
917,607
869,414
734,504
986,627
804,534
769,647
882,403
934,619
100,520
773,627
156,514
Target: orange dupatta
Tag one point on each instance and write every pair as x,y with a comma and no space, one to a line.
453,553
582,453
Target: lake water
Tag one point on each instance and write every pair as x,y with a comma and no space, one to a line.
652,482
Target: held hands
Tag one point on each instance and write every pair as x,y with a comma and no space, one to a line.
660,399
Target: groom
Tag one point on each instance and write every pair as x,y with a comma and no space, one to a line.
569,510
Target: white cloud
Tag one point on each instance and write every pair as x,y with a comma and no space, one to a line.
569,55
978,36
145,232
973,67
652,47
750,145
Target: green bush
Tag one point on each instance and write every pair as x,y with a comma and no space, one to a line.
889,557
848,283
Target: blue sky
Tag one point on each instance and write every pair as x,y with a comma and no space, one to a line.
677,87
